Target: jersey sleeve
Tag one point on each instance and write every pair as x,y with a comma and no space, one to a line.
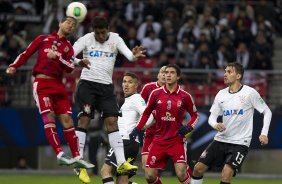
79,45
24,56
144,93
257,101
124,50
67,62
215,108
192,110
148,110
139,105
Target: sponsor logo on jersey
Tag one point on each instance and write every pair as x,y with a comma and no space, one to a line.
168,117
54,51
233,112
66,49
101,54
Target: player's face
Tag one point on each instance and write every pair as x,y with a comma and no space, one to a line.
230,75
68,26
129,86
161,75
171,75
101,34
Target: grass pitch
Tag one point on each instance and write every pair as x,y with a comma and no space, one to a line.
37,179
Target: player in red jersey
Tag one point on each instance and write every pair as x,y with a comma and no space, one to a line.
149,133
170,103
54,58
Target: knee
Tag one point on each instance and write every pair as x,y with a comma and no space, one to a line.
199,169
111,124
106,171
150,177
227,174
83,122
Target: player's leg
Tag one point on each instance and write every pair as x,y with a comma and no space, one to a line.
212,154
110,109
145,149
235,157
84,98
42,94
106,173
181,172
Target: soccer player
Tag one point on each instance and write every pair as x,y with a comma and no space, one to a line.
149,133
131,110
54,58
236,105
170,103
95,90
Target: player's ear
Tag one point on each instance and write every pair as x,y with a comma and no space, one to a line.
239,76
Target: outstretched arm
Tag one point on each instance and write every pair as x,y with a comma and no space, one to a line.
266,123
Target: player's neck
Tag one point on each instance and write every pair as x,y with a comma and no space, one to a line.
234,88
61,34
171,87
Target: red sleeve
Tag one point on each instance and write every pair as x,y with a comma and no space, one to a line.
147,112
144,93
67,63
192,110
24,56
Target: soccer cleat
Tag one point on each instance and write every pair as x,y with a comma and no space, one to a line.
82,175
65,160
79,163
126,167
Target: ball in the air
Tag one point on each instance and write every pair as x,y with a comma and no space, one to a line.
76,10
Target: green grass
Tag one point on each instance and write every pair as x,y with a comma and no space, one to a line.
35,179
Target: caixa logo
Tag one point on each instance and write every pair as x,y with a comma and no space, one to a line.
233,112
101,54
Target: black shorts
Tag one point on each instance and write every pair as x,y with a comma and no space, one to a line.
219,153
131,149
91,96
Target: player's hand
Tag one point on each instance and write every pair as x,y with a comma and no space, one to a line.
84,63
11,71
135,132
219,127
185,131
263,139
139,52
51,54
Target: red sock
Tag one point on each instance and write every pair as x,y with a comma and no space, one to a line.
186,180
52,137
157,181
72,140
189,172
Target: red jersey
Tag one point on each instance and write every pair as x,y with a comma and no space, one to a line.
145,93
51,67
170,110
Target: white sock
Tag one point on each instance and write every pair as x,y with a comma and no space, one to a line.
60,154
81,141
193,181
117,145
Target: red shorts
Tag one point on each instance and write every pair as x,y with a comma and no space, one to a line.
147,142
50,96
159,154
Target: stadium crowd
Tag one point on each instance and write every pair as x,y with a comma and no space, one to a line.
195,34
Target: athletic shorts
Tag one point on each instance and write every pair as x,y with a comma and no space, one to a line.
159,154
91,96
147,142
50,95
219,153
131,149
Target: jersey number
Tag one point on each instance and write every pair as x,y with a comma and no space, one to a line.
239,157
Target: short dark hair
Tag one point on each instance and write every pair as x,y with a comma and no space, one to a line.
238,68
100,22
132,75
65,18
176,67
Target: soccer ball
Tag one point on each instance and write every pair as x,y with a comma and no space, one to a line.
76,10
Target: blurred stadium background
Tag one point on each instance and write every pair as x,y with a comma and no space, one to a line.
200,36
